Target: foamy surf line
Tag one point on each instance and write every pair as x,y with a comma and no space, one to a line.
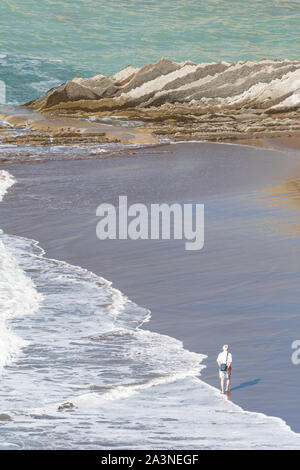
149,376
266,429
18,295
199,417
147,354
6,181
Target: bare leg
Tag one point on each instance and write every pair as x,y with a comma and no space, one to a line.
222,384
227,386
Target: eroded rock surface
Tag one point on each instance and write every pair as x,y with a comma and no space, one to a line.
207,101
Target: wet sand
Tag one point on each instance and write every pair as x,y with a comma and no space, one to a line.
242,288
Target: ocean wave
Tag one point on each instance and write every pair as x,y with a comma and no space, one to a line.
85,331
95,315
124,391
93,369
118,385
13,153
18,295
6,181
26,76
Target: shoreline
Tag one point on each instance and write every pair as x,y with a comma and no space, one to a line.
140,286
47,130
41,130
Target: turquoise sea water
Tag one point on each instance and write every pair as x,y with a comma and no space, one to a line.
48,41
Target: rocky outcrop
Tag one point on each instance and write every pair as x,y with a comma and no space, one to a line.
76,89
210,101
21,126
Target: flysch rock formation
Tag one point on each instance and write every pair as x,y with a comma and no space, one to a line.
186,100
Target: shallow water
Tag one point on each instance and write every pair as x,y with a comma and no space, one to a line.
133,384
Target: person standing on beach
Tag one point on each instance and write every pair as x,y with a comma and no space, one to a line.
224,361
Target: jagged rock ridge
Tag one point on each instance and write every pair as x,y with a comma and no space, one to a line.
208,100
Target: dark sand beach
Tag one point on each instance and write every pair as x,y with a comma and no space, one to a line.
242,288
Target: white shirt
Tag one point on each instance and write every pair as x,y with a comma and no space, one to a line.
222,357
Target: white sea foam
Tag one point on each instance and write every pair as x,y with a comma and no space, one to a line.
43,85
93,399
133,387
6,181
18,295
130,387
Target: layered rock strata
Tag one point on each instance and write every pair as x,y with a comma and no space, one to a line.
186,100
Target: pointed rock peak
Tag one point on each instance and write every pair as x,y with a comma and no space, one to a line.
125,73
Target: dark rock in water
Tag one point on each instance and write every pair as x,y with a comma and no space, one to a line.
69,91
5,417
66,406
76,89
